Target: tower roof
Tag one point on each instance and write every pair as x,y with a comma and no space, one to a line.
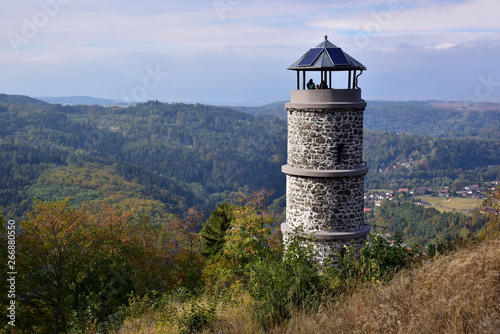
326,56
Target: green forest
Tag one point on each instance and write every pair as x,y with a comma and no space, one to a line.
418,225
177,155
164,158
124,212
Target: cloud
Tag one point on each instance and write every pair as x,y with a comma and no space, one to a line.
432,16
442,46
103,48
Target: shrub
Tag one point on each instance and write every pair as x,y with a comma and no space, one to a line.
282,283
196,316
377,261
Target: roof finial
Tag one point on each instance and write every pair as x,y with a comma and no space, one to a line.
326,37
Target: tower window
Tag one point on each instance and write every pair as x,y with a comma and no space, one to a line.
340,154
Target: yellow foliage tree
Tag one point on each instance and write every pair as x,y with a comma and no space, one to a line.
491,204
247,238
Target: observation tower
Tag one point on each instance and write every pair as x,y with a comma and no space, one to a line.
325,168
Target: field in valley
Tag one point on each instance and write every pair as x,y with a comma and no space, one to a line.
448,204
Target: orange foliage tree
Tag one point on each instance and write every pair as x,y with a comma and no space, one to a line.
85,261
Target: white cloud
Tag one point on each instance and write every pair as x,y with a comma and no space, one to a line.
442,46
429,16
103,47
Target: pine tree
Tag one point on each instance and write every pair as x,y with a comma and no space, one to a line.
215,229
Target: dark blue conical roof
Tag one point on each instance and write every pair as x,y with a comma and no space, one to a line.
326,56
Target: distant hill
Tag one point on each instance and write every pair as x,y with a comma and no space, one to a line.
434,119
467,106
273,109
6,100
75,100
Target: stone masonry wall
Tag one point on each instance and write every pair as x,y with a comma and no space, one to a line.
325,204
326,139
326,249
314,138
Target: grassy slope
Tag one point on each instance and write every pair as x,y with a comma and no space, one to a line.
457,293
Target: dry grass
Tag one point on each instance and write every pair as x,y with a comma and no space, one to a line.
237,318
459,293
144,325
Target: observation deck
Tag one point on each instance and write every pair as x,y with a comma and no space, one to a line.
325,99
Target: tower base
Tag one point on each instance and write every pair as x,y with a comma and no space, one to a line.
329,245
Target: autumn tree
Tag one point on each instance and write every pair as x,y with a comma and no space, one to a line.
67,256
247,239
189,244
78,265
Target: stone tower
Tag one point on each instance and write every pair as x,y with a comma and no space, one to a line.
325,170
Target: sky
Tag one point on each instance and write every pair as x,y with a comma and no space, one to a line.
236,52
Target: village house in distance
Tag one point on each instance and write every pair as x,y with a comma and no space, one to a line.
325,171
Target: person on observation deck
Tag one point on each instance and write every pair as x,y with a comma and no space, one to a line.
310,84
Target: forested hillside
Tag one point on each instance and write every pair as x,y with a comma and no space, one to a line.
167,157
418,224
418,117
398,160
423,118
176,154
